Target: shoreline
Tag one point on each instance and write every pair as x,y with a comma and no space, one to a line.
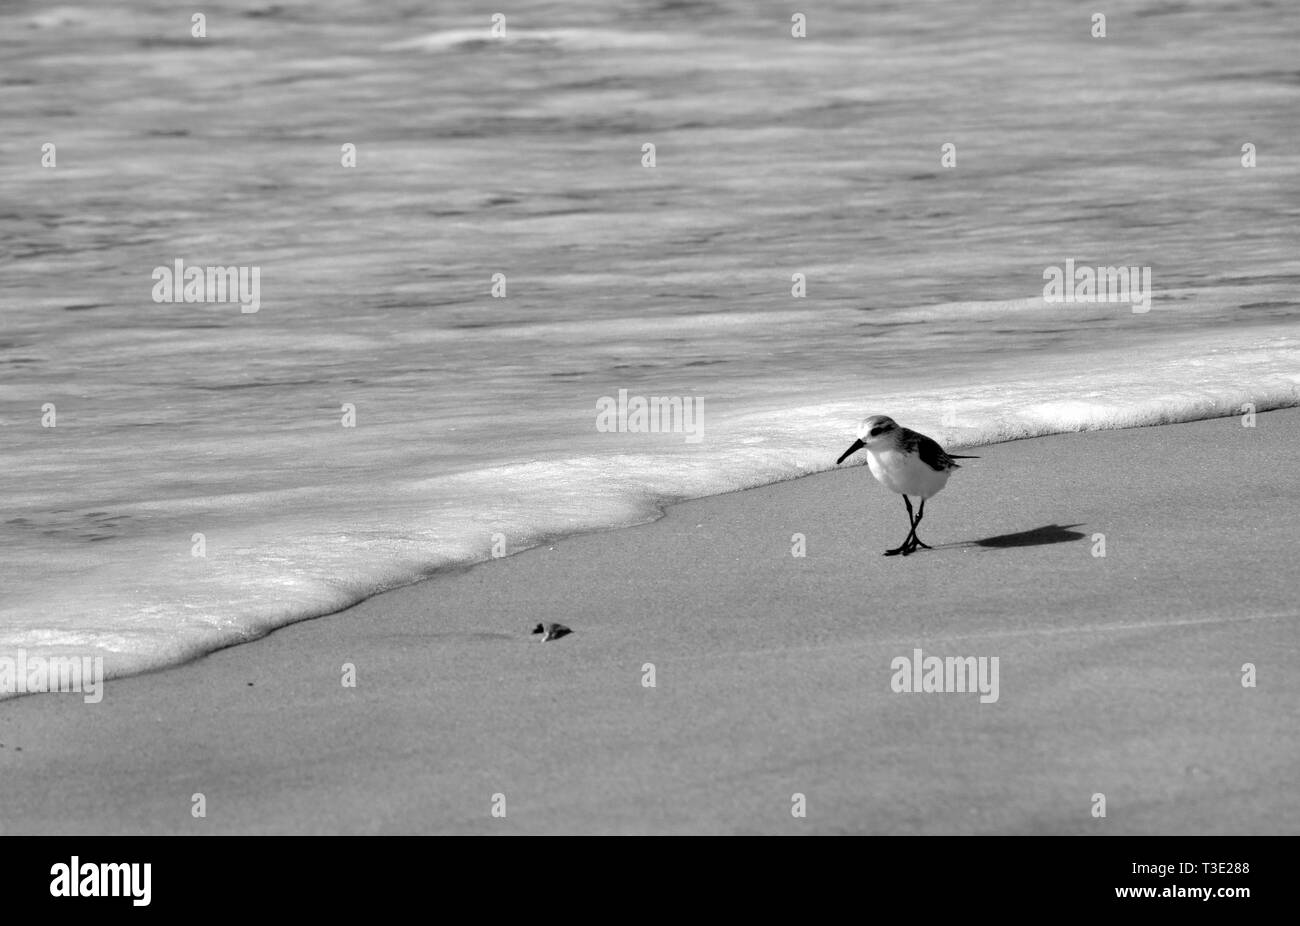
327,580
772,671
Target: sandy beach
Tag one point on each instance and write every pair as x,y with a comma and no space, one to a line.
1119,675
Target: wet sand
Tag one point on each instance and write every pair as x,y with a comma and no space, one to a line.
1119,675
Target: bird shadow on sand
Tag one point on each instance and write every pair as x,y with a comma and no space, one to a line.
1039,536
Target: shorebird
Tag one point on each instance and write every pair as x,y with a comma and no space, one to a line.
551,631
907,463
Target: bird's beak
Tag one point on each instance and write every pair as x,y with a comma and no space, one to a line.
857,445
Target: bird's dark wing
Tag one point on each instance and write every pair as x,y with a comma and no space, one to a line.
928,449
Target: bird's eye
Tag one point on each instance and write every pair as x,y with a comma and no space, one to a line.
875,431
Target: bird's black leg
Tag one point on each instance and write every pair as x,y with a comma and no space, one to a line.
916,541
906,546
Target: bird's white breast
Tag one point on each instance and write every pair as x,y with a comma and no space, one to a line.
905,473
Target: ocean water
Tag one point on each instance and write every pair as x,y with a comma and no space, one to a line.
475,416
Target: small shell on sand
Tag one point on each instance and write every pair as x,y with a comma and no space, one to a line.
551,631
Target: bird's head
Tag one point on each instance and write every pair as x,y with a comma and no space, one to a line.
873,431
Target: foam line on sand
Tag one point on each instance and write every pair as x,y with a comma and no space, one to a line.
1119,675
